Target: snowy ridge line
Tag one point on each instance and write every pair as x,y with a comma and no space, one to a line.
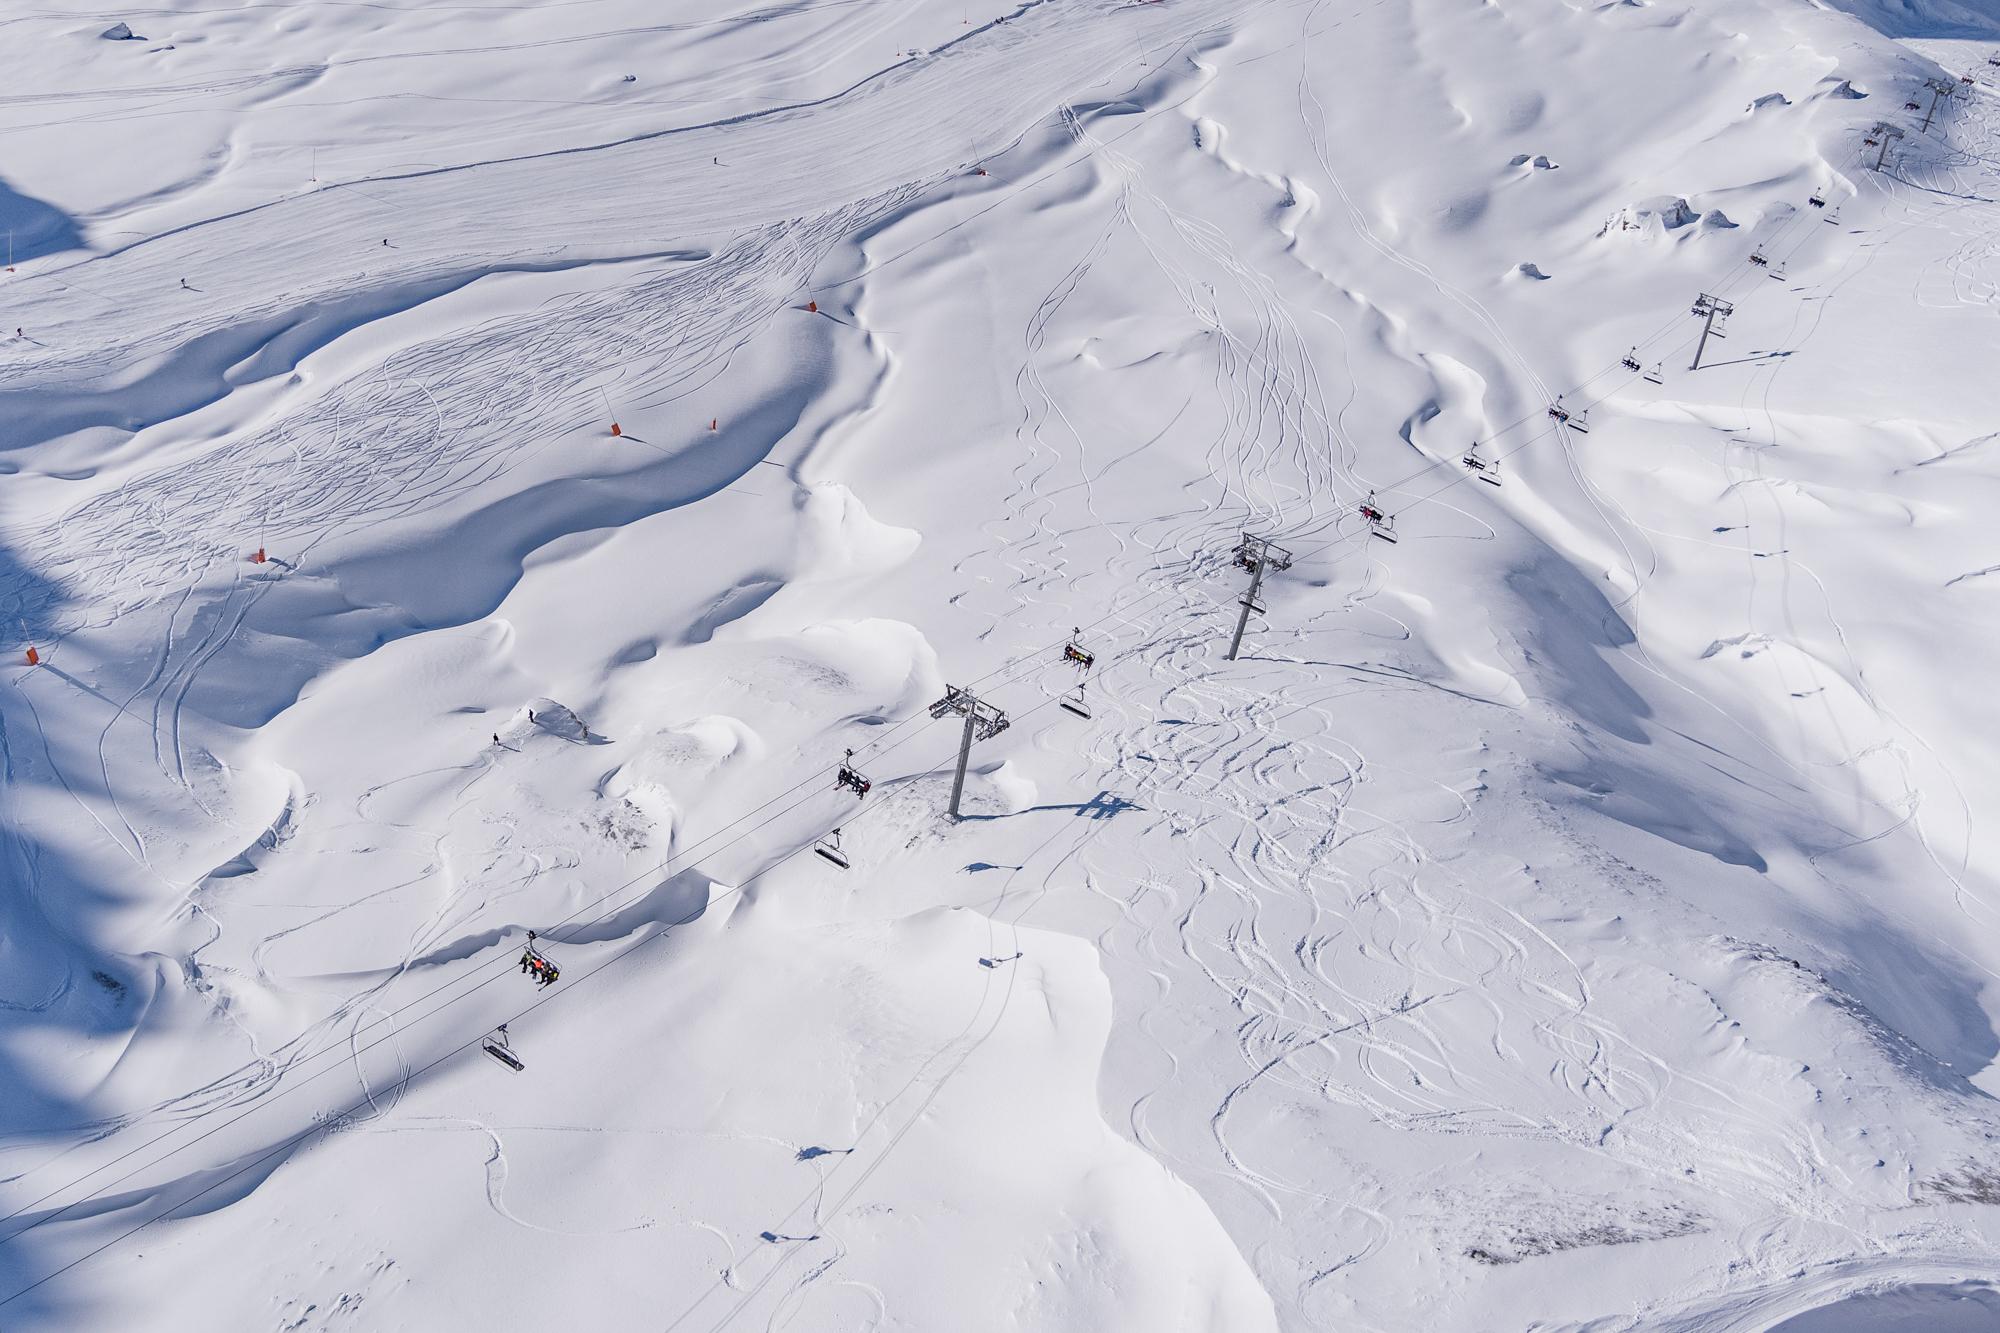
390,1015
285,1146
725,122
391,383
439,249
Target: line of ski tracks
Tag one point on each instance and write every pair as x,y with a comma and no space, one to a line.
1297,907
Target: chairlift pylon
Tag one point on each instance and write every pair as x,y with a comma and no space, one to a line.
829,847
851,778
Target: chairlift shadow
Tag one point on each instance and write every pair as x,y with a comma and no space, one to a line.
1749,360
1104,805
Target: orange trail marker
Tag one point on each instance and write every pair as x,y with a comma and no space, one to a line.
813,306
712,421
616,429
259,557
34,658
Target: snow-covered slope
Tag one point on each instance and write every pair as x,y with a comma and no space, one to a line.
1572,913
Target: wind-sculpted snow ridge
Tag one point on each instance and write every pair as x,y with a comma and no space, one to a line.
472,475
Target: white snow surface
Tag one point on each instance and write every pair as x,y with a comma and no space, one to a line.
1573,914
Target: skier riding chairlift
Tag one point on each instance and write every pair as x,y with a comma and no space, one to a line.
1630,360
850,778
538,965
1818,199
829,847
1576,420
1379,524
1073,651
1759,258
1487,472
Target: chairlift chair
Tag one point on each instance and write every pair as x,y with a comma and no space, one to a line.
1576,421
1379,524
1759,258
1076,653
500,1048
1485,471
1630,360
829,847
1074,702
1911,106
850,777
1657,375
1818,199
538,964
